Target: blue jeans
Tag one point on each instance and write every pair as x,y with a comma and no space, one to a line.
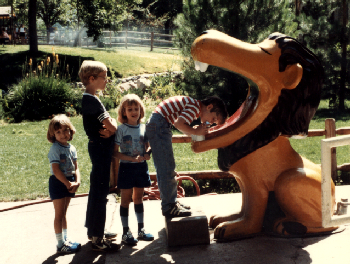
158,131
100,151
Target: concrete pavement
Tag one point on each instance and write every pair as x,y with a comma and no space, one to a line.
27,236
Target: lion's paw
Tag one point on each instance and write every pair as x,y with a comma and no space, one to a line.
219,232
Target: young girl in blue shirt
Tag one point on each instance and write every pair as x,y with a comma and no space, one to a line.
65,177
132,150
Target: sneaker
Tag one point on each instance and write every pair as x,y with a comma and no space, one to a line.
187,207
177,211
104,245
129,239
145,236
67,248
75,244
107,235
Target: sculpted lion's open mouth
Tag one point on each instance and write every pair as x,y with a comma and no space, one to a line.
243,112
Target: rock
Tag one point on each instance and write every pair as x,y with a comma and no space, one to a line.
143,83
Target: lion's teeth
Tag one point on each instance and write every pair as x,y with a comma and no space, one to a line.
201,66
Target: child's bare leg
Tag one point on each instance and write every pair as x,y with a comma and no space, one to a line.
60,212
138,195
64,219
125,195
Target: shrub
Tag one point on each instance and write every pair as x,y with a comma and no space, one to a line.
39,97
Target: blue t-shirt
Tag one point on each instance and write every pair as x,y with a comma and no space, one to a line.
64,156
131,140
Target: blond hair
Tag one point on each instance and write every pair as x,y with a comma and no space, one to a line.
56,123
128,100
90,68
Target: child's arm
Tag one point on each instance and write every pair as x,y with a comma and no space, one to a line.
105,133
115,168
185,128
121,156
110,124
60,176
147,155
76,184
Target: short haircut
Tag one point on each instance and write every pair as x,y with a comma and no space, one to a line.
56,123
128,100
90,68
219,107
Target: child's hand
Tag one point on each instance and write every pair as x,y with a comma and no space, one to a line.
139,158
147,157
104,133
69,186
201,130
75,186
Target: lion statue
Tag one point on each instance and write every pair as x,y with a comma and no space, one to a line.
253,145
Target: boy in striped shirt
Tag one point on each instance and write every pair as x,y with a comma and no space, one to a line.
179,111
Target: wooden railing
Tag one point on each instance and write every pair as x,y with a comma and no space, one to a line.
136,38
329,131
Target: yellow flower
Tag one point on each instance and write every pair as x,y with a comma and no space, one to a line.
57,58
48,61
42,63
39,67
30,61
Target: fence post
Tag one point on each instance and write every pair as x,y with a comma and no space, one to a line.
126,38
152,39
110,39
331,132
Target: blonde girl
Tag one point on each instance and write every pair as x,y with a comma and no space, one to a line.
132,150
65,177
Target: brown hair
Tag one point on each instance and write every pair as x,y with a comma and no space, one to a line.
56,123
219,107
90,68
130,99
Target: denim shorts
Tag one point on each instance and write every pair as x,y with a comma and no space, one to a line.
132,175
58,190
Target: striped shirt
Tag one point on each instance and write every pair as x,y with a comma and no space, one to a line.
179,106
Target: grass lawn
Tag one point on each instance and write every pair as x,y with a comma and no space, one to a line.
25,167
121,62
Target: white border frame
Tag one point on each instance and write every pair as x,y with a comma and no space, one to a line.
326,144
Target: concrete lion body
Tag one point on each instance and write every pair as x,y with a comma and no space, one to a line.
253,144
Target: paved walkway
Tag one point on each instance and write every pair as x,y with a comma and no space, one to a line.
27,236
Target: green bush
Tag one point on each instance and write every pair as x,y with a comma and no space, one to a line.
39,97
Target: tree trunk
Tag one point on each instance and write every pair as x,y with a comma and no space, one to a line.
33,38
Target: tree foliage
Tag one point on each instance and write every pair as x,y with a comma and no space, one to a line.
315,23
100,14
320,28
247,20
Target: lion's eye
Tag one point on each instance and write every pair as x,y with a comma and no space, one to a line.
264,50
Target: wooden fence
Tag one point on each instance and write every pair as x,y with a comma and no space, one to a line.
109,39
136,38
329,131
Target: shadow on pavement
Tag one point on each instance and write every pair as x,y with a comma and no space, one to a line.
84,256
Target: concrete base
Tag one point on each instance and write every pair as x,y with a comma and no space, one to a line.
190,230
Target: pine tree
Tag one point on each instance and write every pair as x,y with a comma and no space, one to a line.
321,28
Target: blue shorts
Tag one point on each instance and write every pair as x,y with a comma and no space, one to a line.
132,175
58,190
